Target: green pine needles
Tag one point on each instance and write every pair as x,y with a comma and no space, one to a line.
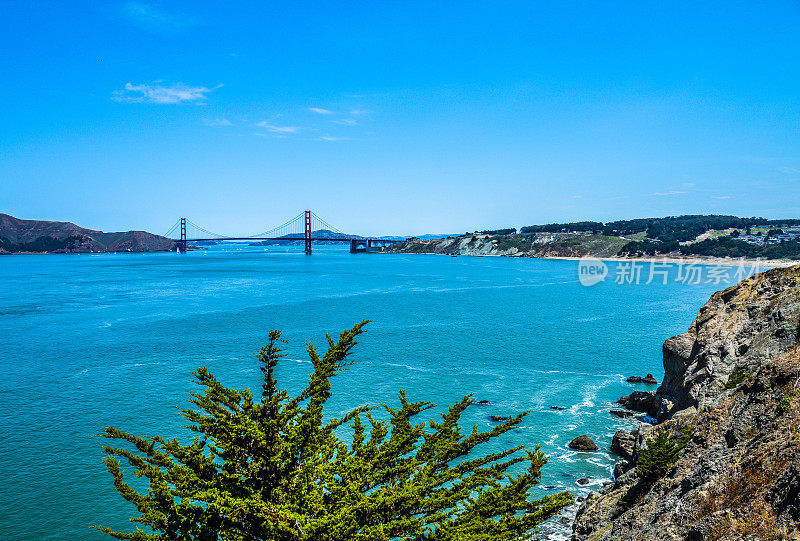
661,454
277,469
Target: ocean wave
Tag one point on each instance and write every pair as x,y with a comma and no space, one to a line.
574,373
409,367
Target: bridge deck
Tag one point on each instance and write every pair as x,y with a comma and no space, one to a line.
290,239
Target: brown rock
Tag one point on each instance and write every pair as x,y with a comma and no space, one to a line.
583,443
649,379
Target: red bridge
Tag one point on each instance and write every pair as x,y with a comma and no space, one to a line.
306,226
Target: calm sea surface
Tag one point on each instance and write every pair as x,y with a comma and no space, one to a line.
96,340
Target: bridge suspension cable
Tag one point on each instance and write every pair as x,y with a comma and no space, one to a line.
172,229
206,231
324,224
286,228
292,228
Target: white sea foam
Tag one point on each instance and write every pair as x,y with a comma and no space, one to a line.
409,367
573,373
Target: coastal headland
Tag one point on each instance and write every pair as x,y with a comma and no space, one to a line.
710,239
723,460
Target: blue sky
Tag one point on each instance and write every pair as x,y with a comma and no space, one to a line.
397,117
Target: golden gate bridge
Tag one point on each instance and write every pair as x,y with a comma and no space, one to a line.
306,226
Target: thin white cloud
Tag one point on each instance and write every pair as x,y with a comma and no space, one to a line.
788,170
331,138
216,122
720,197
277,129
358,112
321,111
156,93
346,122
153,18
671,192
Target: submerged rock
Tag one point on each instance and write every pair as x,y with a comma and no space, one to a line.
583,443
583,481
482,402
559,408
498,418
634,379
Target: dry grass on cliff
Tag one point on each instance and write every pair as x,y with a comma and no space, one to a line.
737,507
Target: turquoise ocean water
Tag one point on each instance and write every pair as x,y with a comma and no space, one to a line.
111,339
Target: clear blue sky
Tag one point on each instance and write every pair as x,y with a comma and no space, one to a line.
397,117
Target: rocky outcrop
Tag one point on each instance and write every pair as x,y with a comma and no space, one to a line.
731,395
621,413
527,245
739,329
736,331
738,476
583,443
623,444
649,380
476,245
639,400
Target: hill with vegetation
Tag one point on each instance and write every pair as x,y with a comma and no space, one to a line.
38,236
293,239
677,236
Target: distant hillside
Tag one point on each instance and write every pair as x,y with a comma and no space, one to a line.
297,238
674,236
37,236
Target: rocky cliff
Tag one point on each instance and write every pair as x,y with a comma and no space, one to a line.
724,462
37,236
737,330
530,245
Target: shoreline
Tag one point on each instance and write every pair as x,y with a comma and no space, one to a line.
695,260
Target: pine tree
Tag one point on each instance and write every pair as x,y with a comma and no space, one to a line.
278,469
661,454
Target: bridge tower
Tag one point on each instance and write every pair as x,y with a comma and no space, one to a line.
182,243
307,234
